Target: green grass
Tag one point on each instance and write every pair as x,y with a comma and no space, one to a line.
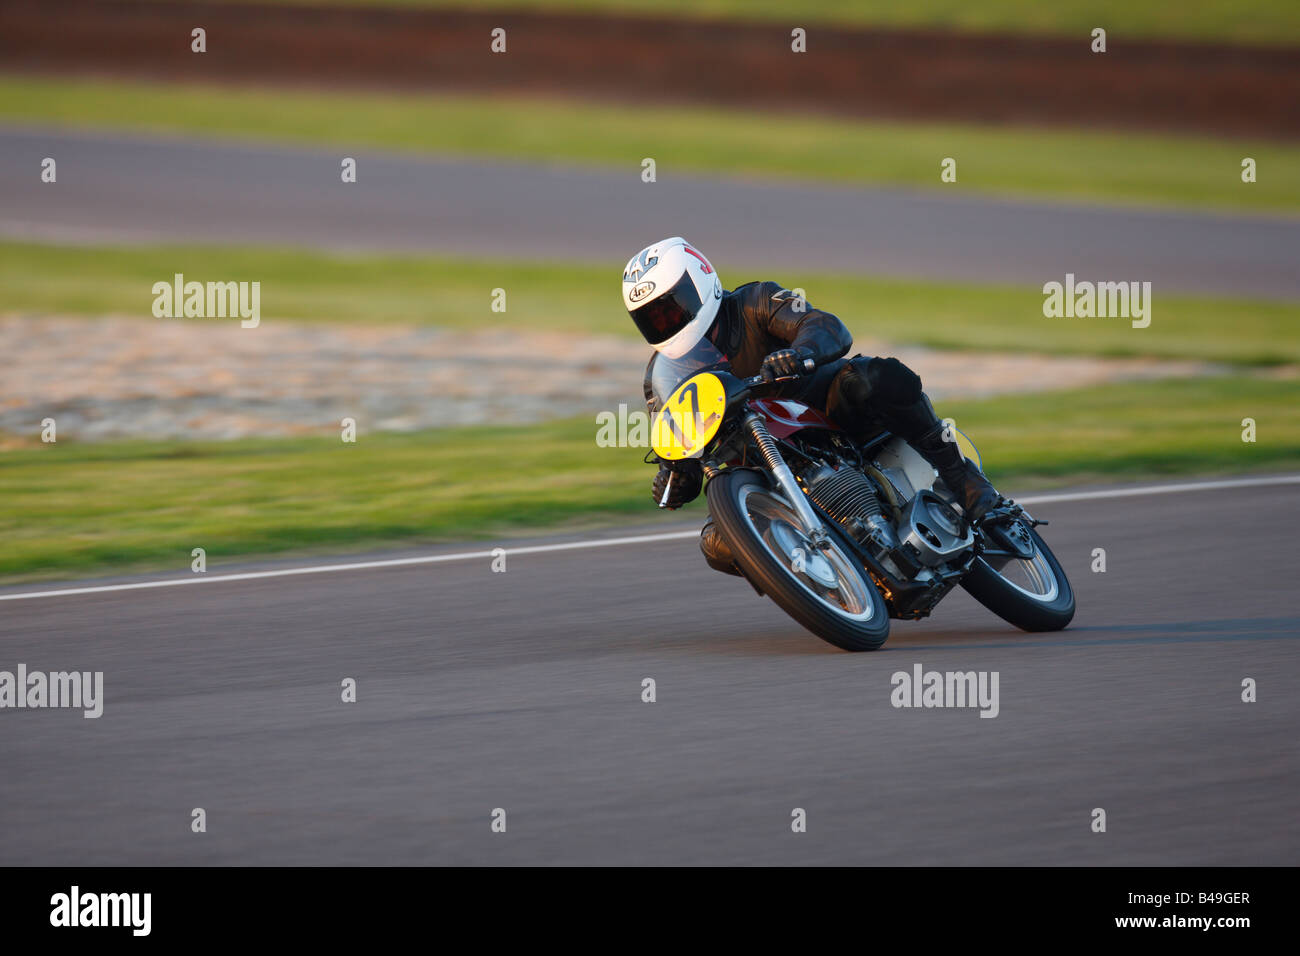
584,299
1075,164
69,509
1255,21
1135,430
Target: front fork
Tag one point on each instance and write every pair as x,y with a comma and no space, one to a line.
786,480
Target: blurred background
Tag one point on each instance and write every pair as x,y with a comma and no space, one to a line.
460,299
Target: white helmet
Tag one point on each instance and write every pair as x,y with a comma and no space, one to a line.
672,294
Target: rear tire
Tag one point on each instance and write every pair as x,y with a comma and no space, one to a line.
865,629
1013,604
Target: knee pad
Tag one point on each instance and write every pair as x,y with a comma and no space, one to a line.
892,382
851,388
878,381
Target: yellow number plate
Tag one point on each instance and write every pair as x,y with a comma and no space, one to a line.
690,418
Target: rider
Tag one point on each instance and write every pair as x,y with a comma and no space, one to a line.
677,300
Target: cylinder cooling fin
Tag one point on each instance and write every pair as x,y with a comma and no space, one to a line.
844,494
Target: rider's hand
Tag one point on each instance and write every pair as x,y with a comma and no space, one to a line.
785,363
687,479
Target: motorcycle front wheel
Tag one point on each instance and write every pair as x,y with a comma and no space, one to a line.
827,591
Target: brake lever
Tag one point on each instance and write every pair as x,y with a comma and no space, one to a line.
668,487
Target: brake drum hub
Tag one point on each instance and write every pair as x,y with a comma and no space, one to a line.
803,555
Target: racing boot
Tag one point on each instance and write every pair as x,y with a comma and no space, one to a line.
974,493
716,552
917,424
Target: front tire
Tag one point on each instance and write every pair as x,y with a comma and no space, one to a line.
1033,595
759,525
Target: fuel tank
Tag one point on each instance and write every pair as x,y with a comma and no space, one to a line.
785,416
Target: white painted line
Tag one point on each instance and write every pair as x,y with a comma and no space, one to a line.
355,566
1164,489
611,542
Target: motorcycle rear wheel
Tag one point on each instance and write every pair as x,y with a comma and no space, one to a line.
828,592
1033,594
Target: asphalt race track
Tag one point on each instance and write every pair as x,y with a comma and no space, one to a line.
522,690
115,189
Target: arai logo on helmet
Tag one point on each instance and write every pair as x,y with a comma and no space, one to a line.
639,266
641,290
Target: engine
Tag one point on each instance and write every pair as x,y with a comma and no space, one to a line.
847,495
929,532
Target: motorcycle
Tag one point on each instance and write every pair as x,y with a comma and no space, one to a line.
843,536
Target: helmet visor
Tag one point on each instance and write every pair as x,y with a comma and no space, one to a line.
667,314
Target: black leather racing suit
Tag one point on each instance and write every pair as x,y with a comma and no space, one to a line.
760,318
862,395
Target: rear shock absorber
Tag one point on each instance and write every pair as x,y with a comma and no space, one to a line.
786,481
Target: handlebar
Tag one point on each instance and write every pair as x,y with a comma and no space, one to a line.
809,366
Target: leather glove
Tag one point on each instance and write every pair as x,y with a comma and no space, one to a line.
784,363
687,479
